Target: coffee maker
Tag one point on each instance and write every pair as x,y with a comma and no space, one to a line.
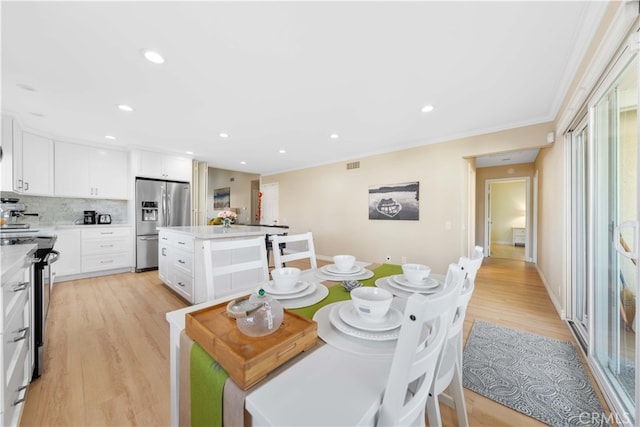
89,217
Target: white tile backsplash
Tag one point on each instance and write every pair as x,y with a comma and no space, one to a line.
66,211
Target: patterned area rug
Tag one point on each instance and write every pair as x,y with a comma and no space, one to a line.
538,376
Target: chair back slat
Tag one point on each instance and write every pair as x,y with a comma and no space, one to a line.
309,252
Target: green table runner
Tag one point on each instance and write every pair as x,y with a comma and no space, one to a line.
208,377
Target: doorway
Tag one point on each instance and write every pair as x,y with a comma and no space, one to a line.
507,218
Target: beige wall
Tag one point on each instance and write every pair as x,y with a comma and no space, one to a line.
240,189
508,208
522,170
332,201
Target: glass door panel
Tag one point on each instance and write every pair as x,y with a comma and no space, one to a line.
615,228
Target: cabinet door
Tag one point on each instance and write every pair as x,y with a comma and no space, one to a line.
68,244
109,174
6,162
72,170
151,165
178,168
37,165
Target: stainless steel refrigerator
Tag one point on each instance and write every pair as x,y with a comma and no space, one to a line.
158,204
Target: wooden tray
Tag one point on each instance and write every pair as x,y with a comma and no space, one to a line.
249,359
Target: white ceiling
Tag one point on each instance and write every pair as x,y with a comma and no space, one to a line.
285,75
507,158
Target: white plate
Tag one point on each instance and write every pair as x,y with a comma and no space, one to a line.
308,290
350,316
306,300
406,290
347,329
428,283
333,269
298,287
324,275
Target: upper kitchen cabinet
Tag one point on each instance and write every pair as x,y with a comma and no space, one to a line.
148,164
11,159
90,172
37,165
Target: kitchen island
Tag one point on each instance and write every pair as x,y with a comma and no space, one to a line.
181,258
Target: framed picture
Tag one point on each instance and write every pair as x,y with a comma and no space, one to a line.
222,198
395,201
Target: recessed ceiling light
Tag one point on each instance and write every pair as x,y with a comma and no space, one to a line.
224,135
152,56
125,107
334,136
26,87
189,152
427,108
243,162
282,151
110,137
37,114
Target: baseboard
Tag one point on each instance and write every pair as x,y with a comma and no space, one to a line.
552,296
91,274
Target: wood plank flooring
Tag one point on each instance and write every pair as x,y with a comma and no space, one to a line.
108,347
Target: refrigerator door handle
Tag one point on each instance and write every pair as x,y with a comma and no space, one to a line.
168,209
163,203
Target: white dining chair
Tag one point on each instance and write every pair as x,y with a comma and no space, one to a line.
449,370
230,265
294,252
334,387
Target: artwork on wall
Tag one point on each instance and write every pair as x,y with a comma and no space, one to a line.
222,198
395,201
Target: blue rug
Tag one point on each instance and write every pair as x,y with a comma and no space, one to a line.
538,376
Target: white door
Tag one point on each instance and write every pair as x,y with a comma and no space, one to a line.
269,203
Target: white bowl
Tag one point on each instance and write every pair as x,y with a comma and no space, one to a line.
416,273
344,262
371,303
285,278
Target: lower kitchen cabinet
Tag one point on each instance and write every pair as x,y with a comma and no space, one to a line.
16,355
175,263
105,248
68,244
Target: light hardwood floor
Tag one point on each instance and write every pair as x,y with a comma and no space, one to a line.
108,347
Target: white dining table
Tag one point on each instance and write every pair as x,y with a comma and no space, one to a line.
318,375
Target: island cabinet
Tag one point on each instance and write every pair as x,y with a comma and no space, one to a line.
16,355
181,261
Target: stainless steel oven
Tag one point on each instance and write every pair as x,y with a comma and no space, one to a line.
43,284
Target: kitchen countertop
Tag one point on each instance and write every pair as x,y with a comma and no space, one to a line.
67,226
217,231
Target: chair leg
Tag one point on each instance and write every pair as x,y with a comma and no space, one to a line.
433,411
457,392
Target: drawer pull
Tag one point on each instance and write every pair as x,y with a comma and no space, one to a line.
24,332
181,261
182,243
106,246
20,287
19,401
106,232
181,284
109,261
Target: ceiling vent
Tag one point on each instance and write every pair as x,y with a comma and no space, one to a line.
353,165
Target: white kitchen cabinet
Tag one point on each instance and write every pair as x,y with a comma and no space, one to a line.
175,263
105,248
90,172
11,162
148,164
37,165
68,244
16,354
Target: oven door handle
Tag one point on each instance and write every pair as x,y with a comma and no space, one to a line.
52,257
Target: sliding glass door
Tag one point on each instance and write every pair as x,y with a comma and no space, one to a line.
614,233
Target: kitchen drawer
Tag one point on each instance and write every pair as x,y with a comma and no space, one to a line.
100,233
105,262
16,335
183,260
183,283
103,246
16,390
178,240
14,291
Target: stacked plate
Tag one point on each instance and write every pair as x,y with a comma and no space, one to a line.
344,318
399,285
299,290
331,272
